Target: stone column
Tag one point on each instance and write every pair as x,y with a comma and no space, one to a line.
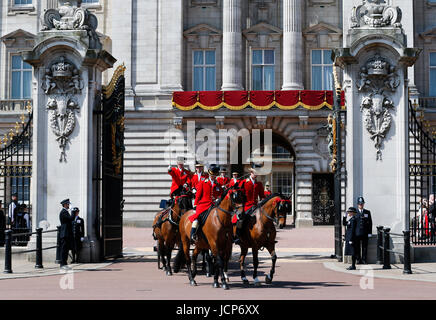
232,45
292,45
68,62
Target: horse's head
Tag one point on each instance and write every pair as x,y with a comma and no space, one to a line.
237,196
282,207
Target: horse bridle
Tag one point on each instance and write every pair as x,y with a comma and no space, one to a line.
273,219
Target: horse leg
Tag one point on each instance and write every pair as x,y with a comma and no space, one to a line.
255,266
194,262
203,264
221,271
216,272
244,251
272,252
161,250
186,243
209,264
169,271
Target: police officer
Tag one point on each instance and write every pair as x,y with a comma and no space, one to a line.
78,233
363,231
350,236
66,232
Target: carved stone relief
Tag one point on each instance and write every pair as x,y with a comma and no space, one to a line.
377,81
62,82
375,13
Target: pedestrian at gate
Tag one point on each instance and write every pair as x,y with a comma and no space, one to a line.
78,234
431,216
13,211
349,221
66,232
363,231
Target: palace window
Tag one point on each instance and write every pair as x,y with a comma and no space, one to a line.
282,182
204,70
263,70
22,2
21,78
322,70
432,82
21,186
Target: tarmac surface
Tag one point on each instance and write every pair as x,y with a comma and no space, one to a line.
304,271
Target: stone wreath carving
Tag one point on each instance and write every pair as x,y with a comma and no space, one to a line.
377,80
376,14
61,83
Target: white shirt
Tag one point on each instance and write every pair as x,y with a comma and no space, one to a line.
12,207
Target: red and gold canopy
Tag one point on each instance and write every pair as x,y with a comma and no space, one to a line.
259,100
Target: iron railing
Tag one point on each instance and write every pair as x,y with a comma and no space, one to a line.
384,251
15,104
39,249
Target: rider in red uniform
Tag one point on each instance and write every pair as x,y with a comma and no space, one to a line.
267,191
222,179
234,181
181,177
208,192
198,176
253,191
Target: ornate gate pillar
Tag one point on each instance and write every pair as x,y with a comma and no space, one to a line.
68,62
375,61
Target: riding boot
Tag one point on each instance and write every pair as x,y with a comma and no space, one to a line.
193,236
236,239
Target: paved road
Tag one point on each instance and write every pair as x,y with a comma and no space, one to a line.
299,275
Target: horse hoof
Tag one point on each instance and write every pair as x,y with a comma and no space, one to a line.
257,282
208,275
216,285
226,286
268,280
169,273
193,283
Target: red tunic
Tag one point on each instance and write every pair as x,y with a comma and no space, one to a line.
205,196
223,180
195,180
180,177
233,182
267,193
252,193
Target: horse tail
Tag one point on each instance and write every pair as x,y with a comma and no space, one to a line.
180,259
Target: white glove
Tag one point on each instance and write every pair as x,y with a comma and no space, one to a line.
81,239
185,185
194,191
350,242
369,235
169,168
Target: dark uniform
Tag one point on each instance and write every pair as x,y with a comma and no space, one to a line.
78,234
2,226
363,229
432,220
350,237
66,233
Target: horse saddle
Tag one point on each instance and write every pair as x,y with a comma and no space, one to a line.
203,216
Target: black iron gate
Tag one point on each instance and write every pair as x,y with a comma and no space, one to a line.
422,180
323,199
112,150
16,173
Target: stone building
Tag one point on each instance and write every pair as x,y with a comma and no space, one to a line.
217,45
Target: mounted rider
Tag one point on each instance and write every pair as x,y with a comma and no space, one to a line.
181,177
253,190
235,180
267,192
223,180
198,176
207,193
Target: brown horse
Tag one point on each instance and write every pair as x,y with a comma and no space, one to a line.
216,235
166,229
260,232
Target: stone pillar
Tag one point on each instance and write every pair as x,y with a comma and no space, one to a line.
68,62
232,45
292,45
375,62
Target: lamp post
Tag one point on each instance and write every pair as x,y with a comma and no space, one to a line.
338,167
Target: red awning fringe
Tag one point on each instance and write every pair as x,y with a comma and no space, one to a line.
259,100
